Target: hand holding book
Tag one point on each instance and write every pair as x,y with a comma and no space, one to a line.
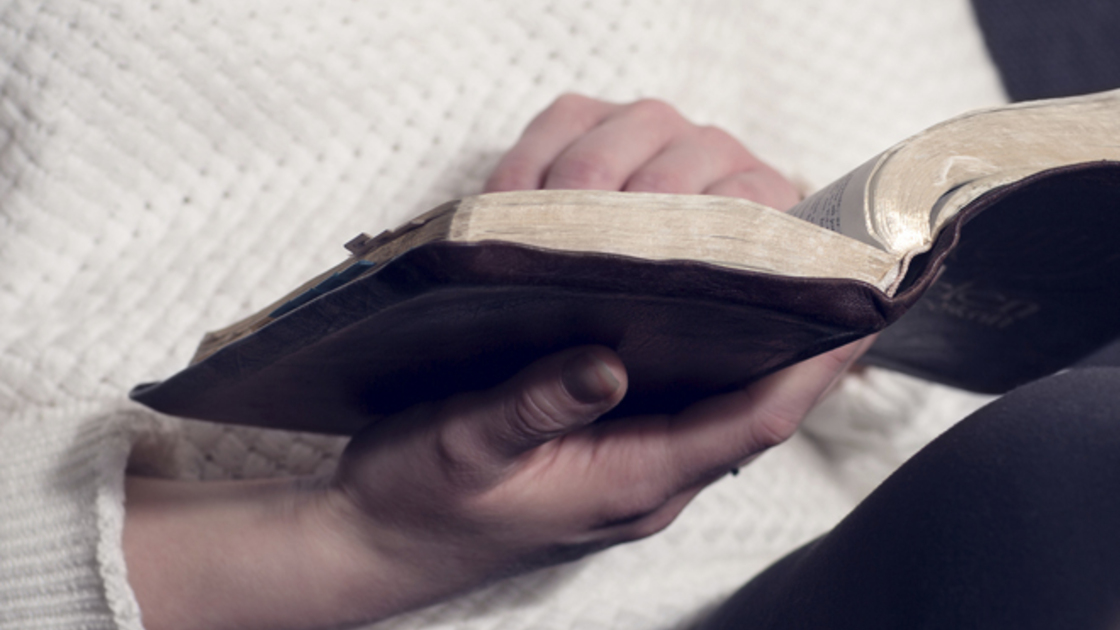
1030,283
993,233
446,496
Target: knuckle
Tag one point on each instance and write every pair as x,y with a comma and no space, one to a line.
582,172
655,110
634,506
742,187
658,182
511,177
774,424
717,137
459,456
712,135
536,415
760,186
780,193
571,101
735,153
570,110
649,525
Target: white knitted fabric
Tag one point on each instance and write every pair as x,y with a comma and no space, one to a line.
169,166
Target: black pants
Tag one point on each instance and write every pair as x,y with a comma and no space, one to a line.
1009,520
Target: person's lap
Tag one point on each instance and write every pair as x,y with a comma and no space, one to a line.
1010,519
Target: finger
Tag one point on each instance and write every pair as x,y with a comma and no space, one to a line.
605,157
712,436
645,524
761,184
550,398
570,116
692,162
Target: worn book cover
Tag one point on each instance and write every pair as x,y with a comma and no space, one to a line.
986,248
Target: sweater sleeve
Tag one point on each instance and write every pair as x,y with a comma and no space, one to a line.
61,516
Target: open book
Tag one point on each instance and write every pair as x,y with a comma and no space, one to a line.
1007,221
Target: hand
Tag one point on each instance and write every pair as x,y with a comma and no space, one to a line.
464,492
646,146
484,485
448,496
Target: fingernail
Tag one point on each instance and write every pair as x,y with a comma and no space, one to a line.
588,379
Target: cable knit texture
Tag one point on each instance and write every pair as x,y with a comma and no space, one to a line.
167,167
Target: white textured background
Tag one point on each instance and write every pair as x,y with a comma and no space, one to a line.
167,167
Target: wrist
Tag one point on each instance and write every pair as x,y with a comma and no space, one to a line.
248,554
410,564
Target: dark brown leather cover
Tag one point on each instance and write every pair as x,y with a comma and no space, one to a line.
448,317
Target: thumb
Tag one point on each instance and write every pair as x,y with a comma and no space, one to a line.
556,395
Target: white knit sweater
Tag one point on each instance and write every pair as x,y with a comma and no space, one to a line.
168,166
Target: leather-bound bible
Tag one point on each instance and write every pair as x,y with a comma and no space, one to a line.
987,247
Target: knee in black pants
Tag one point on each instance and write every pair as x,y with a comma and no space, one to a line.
1010,519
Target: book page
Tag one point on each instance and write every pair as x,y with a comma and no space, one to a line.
842,205
724,231
925,181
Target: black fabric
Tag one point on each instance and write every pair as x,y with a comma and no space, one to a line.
1009,520
1051,48
1107,356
